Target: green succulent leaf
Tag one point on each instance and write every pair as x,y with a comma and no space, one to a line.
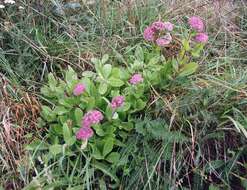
139,54
96,152
60,110
188,69
103,88
116,82
55,149
78,116
107,70
105,58
113,157
69,140
108,146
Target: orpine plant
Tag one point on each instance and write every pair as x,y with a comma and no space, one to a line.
96,112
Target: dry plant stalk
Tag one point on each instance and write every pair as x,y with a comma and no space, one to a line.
17,120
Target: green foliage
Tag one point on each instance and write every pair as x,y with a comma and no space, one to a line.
205,113
65,114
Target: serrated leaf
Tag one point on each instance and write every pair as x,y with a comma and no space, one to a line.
103,88
116,82
107,68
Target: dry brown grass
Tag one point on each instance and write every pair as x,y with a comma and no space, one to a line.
18,126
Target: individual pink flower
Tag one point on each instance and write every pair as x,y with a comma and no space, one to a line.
149,34
79,89
136,79
164,40
84,133
158,26
91,118
117,102
196,23
201,38
168,26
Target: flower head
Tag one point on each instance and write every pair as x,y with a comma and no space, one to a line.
201,38
196,23
148,34
91,118
79,89
168,26
164,40
117,102
2,6
136,79
158,26
84,133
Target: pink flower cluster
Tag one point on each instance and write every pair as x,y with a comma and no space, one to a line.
197,24
149,34
84,133
79,89
136,79
157,33
161,26
164,40
201,37
91,118
117,102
